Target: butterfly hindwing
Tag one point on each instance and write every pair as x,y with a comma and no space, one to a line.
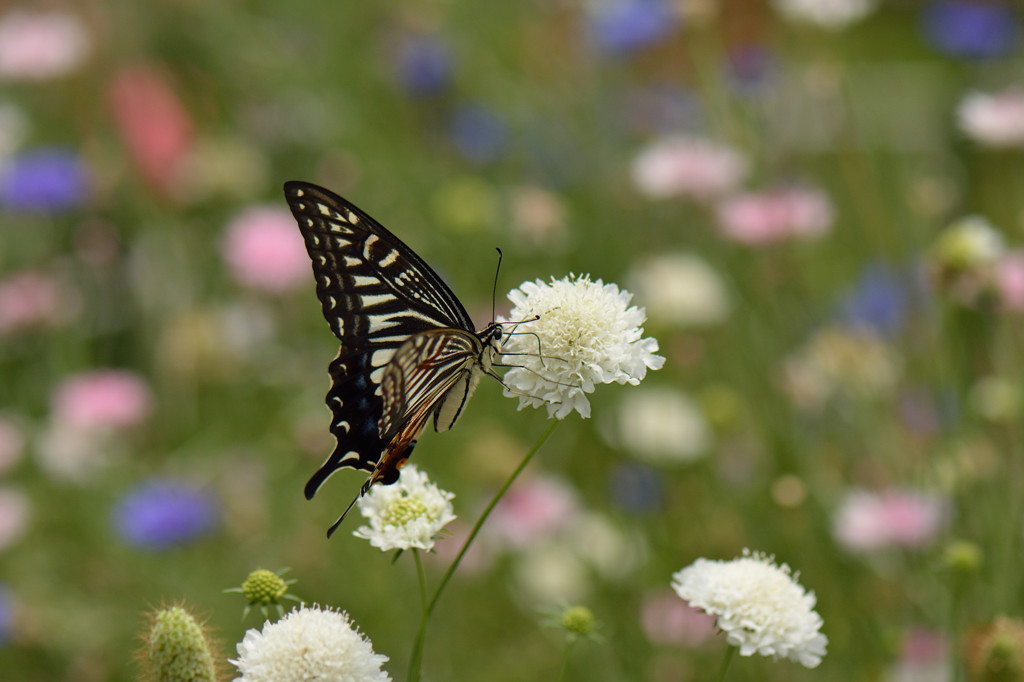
379,297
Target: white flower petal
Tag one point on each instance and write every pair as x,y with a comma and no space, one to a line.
760,606
586,333
407,514
309,644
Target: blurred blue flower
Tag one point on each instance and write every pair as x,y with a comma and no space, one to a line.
162,513
477,133
962,28
879,300
6,614
47,179
423,65
635,487
624,26
751,68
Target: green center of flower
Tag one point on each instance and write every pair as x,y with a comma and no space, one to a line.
403,510
264,587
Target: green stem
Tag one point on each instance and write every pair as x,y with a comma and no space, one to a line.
416,662
729,652
565,657
487,512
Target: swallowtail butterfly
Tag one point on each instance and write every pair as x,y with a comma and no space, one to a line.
408,347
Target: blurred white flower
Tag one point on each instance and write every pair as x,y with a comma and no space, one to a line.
969,242
309,644
996,398
839,361
604,546
682,166
829,14
758,604
538,216
14,516
40,45
407,514
586,334
662,425
551,573
680,289
994,120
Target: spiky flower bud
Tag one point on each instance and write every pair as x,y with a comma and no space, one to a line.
997,654
176,649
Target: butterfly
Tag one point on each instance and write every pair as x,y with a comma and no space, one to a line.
408,352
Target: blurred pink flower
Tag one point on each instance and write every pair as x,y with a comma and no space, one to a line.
868,521
153,124
12,445
1010,280
669,620
994,120
32,299
14,516
108,398
923,658
40,45
265,251
758,219
532,509
681,166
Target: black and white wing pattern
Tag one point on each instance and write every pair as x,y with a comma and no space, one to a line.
408,349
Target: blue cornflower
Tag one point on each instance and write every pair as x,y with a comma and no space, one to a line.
423,65
879,300
477,133
624,26
976,30
635,487
162,513
6,614
47,179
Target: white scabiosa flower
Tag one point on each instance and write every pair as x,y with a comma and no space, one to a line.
758,604
828,14
680,289
586,333
405,515
993,119
309,644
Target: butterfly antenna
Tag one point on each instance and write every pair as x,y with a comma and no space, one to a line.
494,289
334,526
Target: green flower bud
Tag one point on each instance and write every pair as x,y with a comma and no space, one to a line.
264,588
579,621
176,649
997,654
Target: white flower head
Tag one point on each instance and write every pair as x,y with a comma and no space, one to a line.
586,333
828,14
993,119
407,514
758,604
309,644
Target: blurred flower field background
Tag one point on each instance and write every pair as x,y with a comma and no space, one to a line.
819,204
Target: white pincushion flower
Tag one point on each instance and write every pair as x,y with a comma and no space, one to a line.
993,119
587,333
828,14
309,644
758,604
407,514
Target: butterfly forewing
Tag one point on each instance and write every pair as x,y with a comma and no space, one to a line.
378,297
